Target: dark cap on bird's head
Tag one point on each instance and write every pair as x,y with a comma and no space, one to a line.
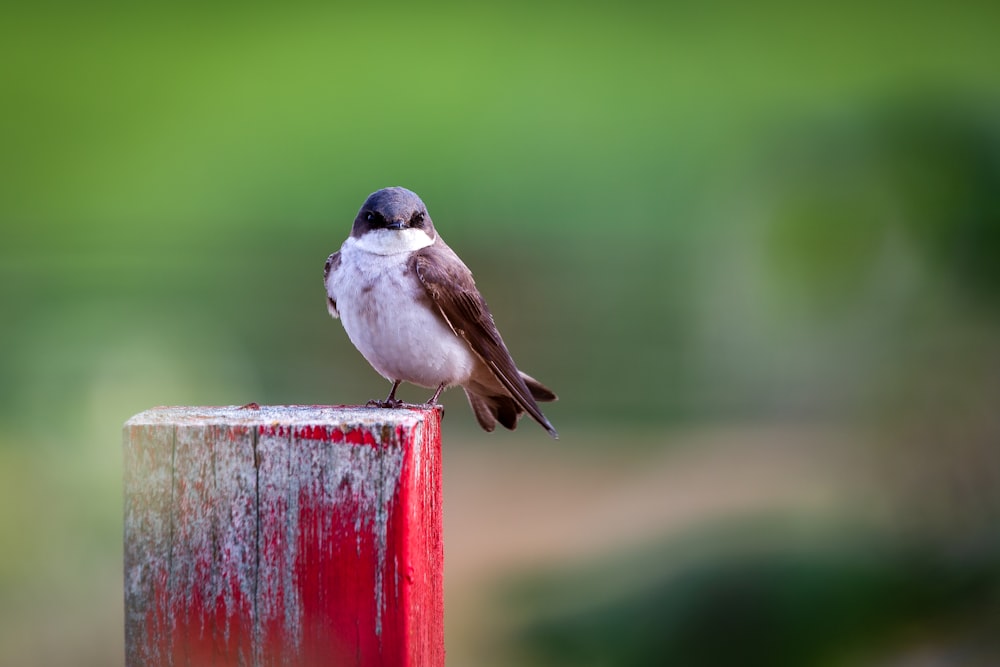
392,208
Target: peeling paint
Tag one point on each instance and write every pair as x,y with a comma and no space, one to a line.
236,523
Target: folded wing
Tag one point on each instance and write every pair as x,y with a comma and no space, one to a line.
450,286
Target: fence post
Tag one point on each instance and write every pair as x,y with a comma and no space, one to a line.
283,535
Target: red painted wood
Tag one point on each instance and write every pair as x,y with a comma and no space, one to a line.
288,535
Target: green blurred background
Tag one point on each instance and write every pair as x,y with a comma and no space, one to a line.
754,247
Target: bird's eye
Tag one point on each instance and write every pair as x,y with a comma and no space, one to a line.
417,219
370,217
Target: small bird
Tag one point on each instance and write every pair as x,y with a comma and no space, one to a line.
411,307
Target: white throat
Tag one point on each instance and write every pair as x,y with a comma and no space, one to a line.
393,241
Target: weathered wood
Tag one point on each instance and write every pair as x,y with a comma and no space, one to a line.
284,535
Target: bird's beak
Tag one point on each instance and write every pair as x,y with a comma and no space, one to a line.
395,224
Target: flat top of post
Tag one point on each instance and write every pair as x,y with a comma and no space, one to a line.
285,415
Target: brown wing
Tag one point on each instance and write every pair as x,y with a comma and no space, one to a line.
332,264
450,286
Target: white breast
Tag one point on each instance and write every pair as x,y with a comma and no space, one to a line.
387,316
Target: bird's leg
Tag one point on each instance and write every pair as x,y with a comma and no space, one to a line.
432,403
391,398
390,401
437,393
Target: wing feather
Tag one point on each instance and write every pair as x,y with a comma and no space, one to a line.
449,284
332,264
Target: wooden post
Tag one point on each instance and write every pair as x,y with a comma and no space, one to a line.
283,535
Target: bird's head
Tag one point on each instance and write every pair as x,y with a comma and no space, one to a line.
394,218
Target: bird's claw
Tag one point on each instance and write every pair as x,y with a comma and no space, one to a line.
387,403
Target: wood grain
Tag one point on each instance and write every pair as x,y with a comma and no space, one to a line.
283,535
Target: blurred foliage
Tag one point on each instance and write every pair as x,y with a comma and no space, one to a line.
176,175
682,214
926,169
784,601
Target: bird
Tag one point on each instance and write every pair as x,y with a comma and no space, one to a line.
412,309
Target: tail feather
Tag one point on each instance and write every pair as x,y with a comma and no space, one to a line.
507,411
490,409
538,390
480,408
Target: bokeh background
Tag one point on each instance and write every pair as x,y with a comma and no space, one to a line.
755,247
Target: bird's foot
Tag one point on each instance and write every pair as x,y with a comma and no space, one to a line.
434,399
387,403
390,401
433,402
